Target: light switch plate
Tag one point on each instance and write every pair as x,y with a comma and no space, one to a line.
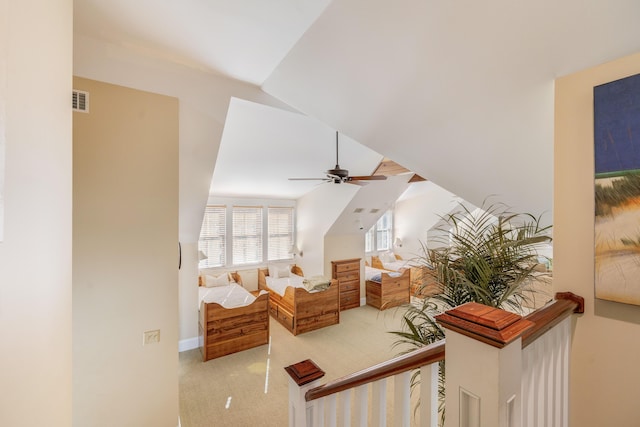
151,337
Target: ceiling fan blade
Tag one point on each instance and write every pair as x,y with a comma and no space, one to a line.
357,182
309,179
368,178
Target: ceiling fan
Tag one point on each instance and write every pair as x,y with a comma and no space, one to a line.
337,175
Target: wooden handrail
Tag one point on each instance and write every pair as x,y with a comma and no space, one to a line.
423,356
545,318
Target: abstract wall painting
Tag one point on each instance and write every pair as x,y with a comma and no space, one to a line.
617,190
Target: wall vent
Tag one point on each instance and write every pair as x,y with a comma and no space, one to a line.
80,101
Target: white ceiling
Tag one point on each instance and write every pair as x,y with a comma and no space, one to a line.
460,92
262,147
242,39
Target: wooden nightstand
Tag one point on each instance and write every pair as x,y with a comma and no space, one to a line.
347,272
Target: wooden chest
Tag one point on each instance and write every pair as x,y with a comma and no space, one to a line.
347,273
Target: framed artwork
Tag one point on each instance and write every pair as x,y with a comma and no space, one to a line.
617,190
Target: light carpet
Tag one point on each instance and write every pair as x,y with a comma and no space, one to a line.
250,388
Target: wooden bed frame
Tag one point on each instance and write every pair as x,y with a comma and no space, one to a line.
225,331
300,311
422,278
391,292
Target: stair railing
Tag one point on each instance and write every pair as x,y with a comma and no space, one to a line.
534,350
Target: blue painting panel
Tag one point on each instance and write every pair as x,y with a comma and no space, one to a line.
617,126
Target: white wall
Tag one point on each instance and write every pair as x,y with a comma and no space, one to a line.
317,211
35,254
605,346
416,212
188,301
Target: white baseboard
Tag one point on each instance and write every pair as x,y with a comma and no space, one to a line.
363,301
188,344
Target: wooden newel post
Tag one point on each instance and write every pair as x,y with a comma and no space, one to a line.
483,366
303,376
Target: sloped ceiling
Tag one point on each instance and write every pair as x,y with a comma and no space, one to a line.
460,92
262,147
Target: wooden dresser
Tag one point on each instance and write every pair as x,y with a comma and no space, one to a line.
347,272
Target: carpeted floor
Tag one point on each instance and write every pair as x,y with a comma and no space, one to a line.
250,388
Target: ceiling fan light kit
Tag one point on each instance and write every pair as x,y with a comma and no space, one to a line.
337,175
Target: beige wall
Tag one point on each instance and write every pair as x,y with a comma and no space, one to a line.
605,377
125,258
345,247
204,102
35,253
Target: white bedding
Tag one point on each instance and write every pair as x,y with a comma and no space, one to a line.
230,296
280,285
397,265
375,274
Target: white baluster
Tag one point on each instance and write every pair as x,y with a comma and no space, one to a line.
318,411
429,395
332,402
545,378
379,404
402,399
361,404
345,400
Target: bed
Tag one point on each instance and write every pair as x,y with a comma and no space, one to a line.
231,318
422,278
386,289
298,308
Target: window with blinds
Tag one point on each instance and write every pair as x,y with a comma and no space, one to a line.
280,233
247,235
369,239
380,236
212,240
233,235
384,228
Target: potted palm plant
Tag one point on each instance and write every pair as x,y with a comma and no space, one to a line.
487,255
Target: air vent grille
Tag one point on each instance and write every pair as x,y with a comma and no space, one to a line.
358,210
374,211
80,101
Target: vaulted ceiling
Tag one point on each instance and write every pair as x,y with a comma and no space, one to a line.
460,92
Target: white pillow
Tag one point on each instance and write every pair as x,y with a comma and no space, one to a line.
213,281
274,270
284,272
386,257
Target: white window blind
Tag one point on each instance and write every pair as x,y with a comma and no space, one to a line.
369,239
212,240
280,233
384,228
247,235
